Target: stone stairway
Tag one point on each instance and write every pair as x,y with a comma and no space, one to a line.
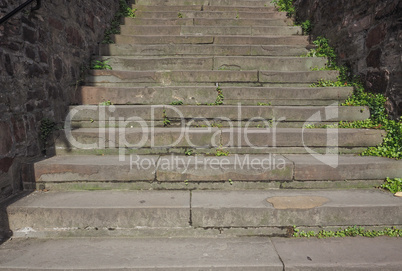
206,137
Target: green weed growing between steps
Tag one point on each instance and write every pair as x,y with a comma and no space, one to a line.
391,146
393,185
124,11
348,232
286,6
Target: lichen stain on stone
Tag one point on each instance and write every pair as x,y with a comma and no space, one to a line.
297,202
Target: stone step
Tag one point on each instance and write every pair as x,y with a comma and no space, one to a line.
184,30
268,9
292,207
190,14
116,210
192,95
118,254
246,3
201,50
218,40
247,171
177,77
206,22
218,254
241,63
191,115
209,140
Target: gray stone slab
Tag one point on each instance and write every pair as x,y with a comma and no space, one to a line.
267,63
224,168
101,209
204,95
358,253
95,168
140,254
252,209
343,167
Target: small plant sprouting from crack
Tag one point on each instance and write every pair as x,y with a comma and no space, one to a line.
100,65
189,152
220,97
124,11
177,103
221,152
264,104
106,103
393,185
166,121
180,15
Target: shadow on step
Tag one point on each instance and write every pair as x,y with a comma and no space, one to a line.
5,231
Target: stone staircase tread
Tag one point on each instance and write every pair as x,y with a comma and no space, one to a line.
210,39
195,94
292,207
207,21
230,138
146,63
171,77
245,253
40,211
201,50
308,114
307,167
202,30
140,254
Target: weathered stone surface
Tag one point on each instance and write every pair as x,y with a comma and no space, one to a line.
118,209
297,202
220,254
251,209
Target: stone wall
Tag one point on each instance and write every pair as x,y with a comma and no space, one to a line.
367,35
41,55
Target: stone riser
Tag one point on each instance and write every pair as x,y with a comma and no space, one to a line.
160,8
208,15
215,138
191,95
206,40
215,114
238,168
214,63
169,78
245,3
203,209
206,22
163,30
201,50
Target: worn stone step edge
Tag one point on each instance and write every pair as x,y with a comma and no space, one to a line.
207,22
253,168
169,78
221,113
192,95
204,209
213,138
201,50
255,31
238,63
207,40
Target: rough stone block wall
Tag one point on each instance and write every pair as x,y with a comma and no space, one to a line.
367,35
41,54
